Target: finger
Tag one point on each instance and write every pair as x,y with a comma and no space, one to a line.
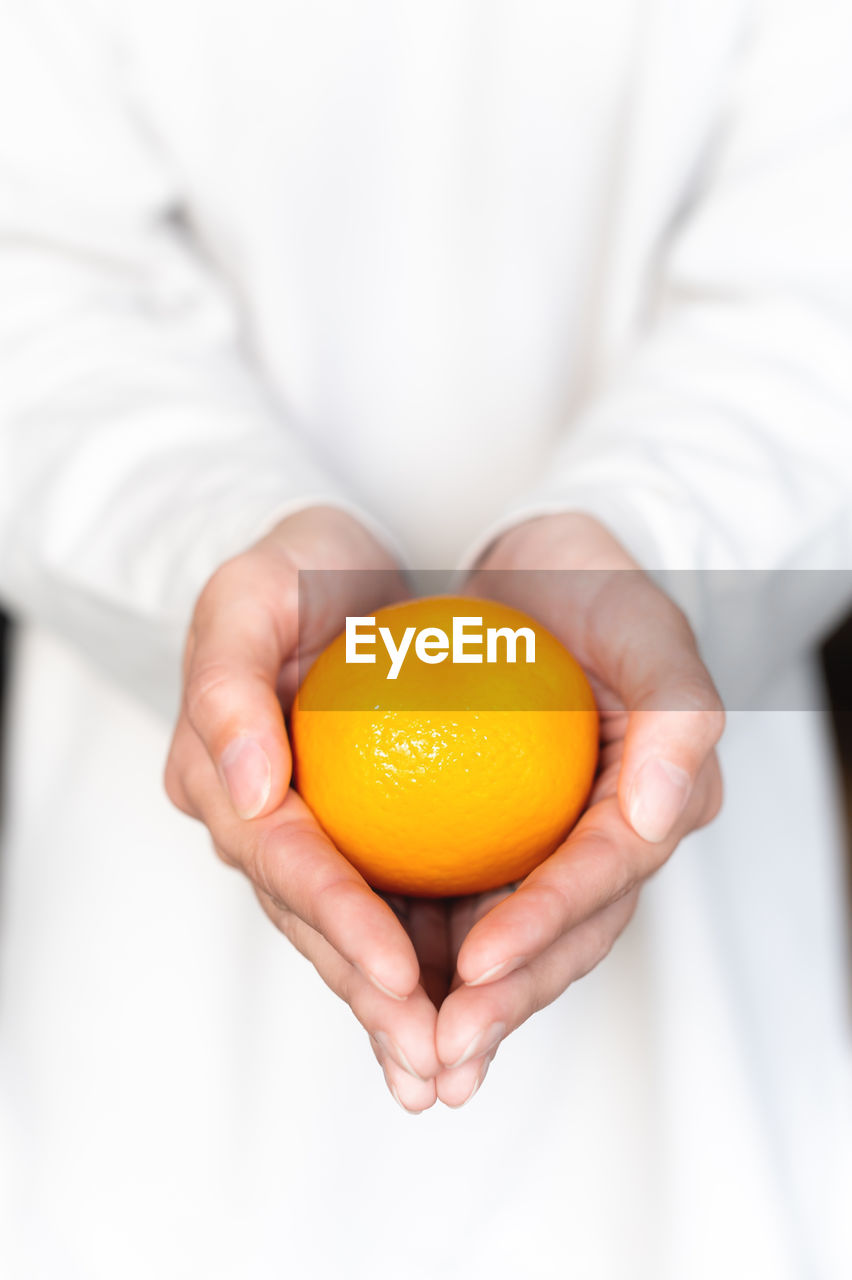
467,912
664,754
289,858
643,645
456,1087
473,1021
244,628
426,923
414,1096
296,864
405,1032
602,860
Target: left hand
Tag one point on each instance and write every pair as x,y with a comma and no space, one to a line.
501,957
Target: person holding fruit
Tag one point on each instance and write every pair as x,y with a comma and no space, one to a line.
553,298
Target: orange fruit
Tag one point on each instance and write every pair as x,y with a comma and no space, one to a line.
453,777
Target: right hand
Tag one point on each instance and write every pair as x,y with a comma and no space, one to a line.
229,766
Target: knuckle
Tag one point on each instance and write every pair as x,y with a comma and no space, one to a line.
219,586
205,693
284,921
602,933
700,709
712,721
695,693
699,695
605,933
255,861
718,718
615,863
602,941
338,895
223,854
288,924
533,999
260,578
539,996
285,594
348,991
173,784
271,863
549,899
715,794
677,621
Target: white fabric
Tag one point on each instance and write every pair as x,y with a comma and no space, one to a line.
445,265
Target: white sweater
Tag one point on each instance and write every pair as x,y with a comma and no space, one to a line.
445,264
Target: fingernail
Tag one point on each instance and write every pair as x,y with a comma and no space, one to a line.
248,776
659,795
477,1082
380,986
399,1100
390,1046
395,1095
481,1043
504,967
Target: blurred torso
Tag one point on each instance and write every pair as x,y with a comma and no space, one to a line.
438,220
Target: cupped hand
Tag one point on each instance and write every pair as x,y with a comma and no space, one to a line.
229,766
439,984
658,780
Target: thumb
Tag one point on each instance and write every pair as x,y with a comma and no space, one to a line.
664,753
675,715
242,633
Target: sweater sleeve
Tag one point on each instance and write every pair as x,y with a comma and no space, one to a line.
138,446
721,438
